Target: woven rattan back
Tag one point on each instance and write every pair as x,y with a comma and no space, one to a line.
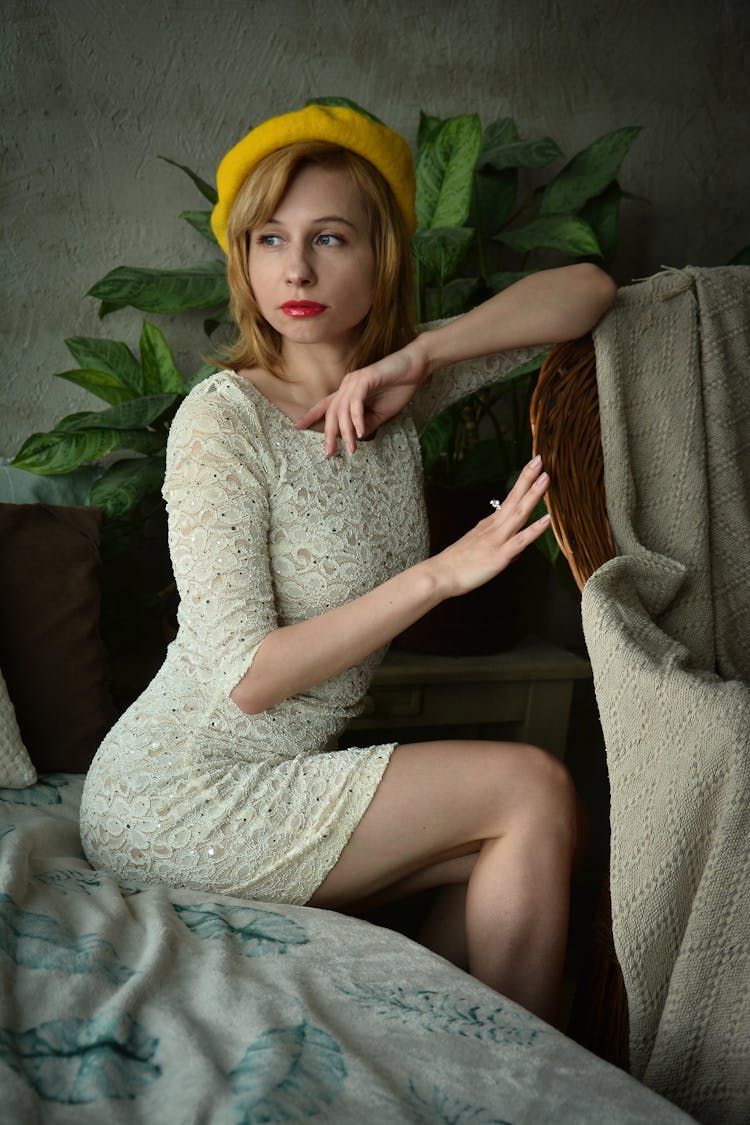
567,433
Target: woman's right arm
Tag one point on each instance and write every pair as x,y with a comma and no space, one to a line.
295,657
216,492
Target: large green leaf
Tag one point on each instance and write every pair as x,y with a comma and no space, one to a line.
200,221
207,191
442,250
602,214
125,484
127,416
157,362
568,233
520,154
165,291
504,131
445,172
110,356
347,103
494,199
428,129
588,173
60,451
100,383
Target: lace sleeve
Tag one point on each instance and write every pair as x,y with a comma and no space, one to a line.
452,383
217,502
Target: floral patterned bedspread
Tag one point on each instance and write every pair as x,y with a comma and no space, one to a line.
136,1004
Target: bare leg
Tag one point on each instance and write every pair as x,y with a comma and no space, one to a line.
444,929
517,920
515,806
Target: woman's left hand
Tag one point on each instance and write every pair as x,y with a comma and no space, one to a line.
369,397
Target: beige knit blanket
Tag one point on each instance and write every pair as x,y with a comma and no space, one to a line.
667,625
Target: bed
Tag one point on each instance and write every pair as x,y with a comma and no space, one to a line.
144,1004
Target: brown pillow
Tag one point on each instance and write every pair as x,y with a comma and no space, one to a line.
51,654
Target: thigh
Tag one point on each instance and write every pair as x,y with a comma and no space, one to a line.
445,873
437,801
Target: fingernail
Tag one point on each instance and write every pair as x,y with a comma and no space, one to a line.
535,461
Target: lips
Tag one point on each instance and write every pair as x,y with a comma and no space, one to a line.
300,309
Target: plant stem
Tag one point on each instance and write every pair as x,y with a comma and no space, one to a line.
528,201
417,290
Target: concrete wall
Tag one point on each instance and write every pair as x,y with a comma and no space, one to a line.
94,92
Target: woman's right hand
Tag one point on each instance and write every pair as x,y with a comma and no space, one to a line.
369,396
489,547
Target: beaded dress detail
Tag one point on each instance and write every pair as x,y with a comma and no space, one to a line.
264,530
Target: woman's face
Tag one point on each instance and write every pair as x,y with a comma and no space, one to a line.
311,265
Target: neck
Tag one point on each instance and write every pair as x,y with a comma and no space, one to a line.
319,368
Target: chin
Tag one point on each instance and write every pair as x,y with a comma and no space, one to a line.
314,330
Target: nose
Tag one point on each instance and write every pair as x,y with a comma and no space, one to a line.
299,266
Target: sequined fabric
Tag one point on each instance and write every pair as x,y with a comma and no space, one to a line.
264,531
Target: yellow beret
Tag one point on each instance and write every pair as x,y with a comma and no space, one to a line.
339,125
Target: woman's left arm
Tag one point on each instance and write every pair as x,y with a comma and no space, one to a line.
547,307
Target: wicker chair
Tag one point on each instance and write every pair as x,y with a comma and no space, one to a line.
567,433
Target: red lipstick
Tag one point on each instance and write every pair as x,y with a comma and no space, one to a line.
303,308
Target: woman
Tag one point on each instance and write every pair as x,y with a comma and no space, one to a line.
299,555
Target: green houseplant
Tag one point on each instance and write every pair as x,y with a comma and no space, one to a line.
478,232
484,220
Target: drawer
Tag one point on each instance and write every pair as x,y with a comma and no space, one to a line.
450,704
394,702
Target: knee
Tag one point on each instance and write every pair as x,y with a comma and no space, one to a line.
550,793
547,770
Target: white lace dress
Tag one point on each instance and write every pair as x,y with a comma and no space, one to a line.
264,530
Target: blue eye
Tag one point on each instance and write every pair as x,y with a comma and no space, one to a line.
269,239
329,239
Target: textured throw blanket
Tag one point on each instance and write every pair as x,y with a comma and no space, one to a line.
123,1004
667,624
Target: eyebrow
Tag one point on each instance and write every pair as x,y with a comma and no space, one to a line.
321,219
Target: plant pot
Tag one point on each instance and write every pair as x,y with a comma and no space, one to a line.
483,621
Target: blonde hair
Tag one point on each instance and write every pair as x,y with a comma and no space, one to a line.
388,325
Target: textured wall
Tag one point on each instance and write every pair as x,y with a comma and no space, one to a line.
95,91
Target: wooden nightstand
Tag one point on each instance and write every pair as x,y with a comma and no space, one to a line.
523,695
